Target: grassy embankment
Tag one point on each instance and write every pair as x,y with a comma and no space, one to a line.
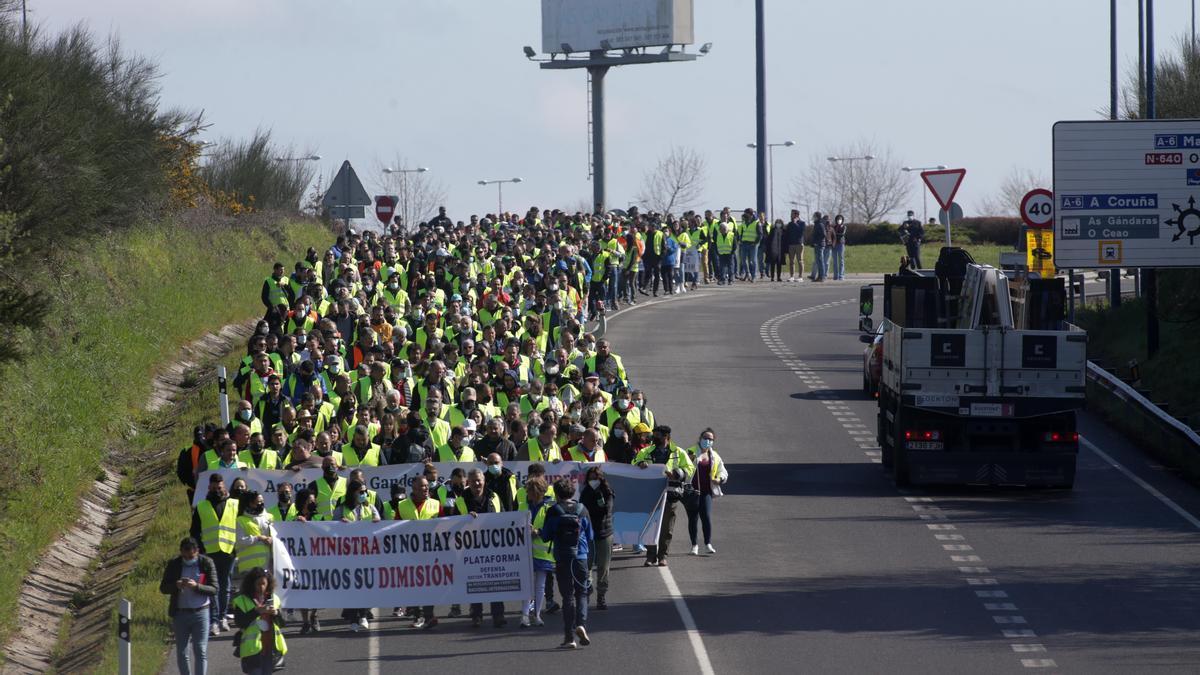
885,258
123,305
1116,337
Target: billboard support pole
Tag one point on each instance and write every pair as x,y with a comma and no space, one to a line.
1150,276
1114,275
760,63
597,74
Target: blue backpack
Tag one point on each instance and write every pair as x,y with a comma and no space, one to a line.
566,535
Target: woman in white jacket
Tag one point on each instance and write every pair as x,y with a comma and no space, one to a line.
707,482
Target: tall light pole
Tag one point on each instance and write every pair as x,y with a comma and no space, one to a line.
405,216
771,163
308,158
499,183
864,158
760,100
924,188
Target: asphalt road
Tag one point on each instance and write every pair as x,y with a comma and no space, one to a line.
822,564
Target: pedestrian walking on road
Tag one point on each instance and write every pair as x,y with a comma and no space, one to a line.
256,613
191,581
536,502
706,485
598,498
678,469
568,526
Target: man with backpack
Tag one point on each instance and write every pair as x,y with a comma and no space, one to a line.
568,526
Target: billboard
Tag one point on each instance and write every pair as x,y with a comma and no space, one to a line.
1127,194
624,23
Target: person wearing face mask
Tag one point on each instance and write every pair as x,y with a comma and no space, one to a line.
622,408
678,468
245,416
598,498
330,488
285,507
619,446
253,533
256,456
190,581
474,499
356,507
456,448
639,402
502,482
707,482
214,525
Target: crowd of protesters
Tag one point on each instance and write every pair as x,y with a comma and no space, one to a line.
454,342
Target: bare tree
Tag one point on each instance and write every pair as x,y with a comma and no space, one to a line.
418,194
863,190
676,183
1007,201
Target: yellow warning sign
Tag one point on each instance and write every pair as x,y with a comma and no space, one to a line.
1039,252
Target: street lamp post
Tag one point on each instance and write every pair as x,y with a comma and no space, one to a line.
307,158
403,207
499,183
771,174
864,158
924,188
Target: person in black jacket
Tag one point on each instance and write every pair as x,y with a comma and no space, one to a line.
818,242
598,498
190,581
793,239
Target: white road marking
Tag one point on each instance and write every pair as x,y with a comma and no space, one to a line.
942,527
949,537
1027,648
1145,486
957,547
980,570
985,581
1019,633
1009,619
965,558
999,606
1039,663
689,623
990,594
373,645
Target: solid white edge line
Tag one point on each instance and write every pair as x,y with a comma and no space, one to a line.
689,623
1144,485
373,644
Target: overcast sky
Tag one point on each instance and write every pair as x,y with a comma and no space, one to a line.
966,83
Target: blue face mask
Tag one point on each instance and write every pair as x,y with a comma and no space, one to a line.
494,469
705,444
362,498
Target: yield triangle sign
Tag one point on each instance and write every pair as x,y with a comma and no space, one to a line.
346,189
944,184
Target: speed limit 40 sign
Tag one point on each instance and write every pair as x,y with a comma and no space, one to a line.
1037,209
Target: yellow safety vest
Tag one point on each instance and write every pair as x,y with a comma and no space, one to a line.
542,549
428,511
725,242
256,554
327,497
460,504
369,458
218,535
536,454
750,232
252,635
446,454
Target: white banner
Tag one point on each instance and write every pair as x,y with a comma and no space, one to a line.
637,502
460,559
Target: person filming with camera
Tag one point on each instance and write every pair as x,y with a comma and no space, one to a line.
678,468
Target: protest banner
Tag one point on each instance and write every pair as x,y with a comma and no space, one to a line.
638,501
395,563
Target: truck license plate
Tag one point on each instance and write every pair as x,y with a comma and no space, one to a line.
992,409
924,445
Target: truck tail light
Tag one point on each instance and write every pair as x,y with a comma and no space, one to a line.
922,435
1059,437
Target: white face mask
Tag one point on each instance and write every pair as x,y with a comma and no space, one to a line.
622,403
595,484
